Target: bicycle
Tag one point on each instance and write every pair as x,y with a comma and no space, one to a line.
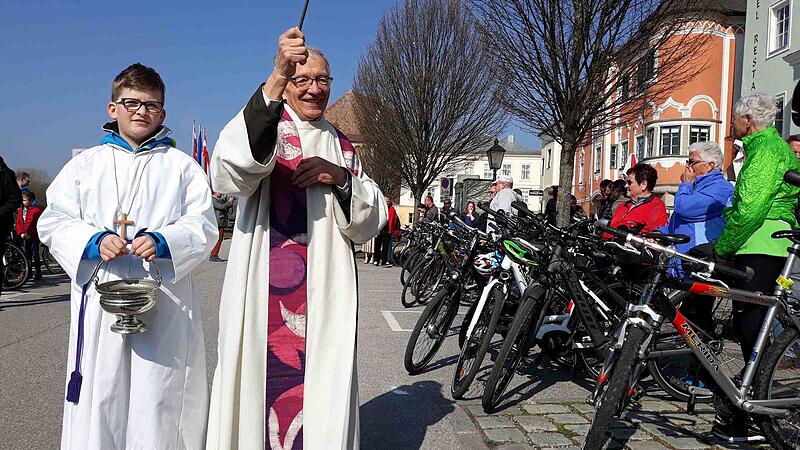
49,261
765,388
16,268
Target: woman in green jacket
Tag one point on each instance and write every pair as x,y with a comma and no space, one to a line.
762,204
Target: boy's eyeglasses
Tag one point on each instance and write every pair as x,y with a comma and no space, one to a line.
305,82
133,105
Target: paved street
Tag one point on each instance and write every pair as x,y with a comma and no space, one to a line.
545,408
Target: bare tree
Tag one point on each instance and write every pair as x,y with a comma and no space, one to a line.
428,97
375,166
579,67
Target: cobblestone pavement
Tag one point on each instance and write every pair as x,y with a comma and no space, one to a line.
653,424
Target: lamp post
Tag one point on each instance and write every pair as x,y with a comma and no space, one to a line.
495,155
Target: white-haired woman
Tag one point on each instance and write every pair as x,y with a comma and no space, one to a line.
762,205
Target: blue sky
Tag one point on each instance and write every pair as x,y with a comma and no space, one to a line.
59,58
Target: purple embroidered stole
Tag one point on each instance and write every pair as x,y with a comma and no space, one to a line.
288,274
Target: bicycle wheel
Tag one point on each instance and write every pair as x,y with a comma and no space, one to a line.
778,377
429,285
407,298
430,330
474,349
612,398
409,266
50,262
16,267
515,347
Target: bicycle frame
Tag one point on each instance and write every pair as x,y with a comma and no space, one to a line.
643,315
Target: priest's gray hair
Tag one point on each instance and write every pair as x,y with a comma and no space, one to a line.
761,107
708,151
316,52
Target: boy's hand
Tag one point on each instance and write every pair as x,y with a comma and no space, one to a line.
143,248
111,247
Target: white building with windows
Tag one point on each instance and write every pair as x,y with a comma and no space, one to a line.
523,164
772,55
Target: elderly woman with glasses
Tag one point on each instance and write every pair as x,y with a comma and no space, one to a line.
762,205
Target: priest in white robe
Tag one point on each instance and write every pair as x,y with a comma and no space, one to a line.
137,391
286,376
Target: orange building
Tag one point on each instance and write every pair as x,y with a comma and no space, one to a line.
699,110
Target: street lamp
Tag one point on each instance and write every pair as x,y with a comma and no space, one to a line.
495,155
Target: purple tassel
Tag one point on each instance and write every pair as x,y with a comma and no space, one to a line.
74,387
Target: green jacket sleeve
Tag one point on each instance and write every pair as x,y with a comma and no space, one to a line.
758,184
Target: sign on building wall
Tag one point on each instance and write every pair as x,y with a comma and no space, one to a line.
446,189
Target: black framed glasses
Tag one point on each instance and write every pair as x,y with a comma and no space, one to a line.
133,105
306,82
691,163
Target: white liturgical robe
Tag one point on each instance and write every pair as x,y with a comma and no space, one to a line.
145,391
335,221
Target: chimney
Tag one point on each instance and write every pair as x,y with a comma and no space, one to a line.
510,139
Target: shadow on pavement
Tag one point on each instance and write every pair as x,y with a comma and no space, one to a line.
400,418
33,302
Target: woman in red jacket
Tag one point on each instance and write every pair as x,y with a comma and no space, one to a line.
27,216
643,211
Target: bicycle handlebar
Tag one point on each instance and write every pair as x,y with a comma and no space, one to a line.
672,253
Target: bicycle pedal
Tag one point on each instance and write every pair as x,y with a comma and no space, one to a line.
638,392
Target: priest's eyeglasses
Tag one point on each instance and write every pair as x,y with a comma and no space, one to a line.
133,105
305,82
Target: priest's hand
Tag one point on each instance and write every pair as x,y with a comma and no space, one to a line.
144,248
112,246
291,52
317,170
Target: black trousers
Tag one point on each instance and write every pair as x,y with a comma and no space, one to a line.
383,245
32,254
3,239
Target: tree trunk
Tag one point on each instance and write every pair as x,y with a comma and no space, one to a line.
567,167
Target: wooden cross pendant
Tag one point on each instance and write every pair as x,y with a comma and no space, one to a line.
123,220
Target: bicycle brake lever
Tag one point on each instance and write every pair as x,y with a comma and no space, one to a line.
705,276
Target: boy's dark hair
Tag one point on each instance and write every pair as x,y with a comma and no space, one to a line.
619,186
29,195
140,77
606,184
644,172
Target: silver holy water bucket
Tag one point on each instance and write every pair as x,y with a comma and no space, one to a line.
127,298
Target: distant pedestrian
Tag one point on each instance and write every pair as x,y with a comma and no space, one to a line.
27,217
10,199
470,216
605,199
23,181
221,204
447,208
368,249
431,211
383,243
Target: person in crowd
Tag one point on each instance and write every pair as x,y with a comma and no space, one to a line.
27,218
221,204
616,197
470,216
504,194
550,207
368,249
383,242
23,181
286,373
421,209
575,211
794,143
447,208
643,211
605,200
10,200
431,210
699,202
762,204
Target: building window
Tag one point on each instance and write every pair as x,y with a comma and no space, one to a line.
525,196
613,155
580,171
779,27
487,172
698,134
639,148
598,154
779,114
506,170
670,140
625,87
623,155
526,172
651,141
549,157
645,70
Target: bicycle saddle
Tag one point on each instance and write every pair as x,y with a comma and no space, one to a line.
792,235
672,239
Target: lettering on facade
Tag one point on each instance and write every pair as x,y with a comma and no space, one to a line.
755,59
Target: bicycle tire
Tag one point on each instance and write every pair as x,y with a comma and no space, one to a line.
408,268
16,267
471,356
612,397
674,388
406,299
462,330
781,358
50,262
439,313
430,284
513,349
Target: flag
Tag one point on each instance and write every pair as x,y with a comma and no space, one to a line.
194,140
206,159
198,146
